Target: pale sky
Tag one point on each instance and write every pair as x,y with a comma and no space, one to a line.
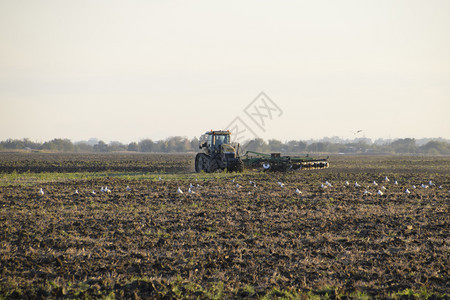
130,70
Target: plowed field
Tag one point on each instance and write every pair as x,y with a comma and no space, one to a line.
255,234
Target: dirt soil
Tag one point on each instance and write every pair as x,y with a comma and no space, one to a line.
236,236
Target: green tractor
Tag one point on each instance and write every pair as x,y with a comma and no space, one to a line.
218,153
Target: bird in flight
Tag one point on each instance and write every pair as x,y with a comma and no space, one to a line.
356,132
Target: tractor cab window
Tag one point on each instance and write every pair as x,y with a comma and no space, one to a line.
222,139
209,140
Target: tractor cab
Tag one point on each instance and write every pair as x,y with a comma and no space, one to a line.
211,142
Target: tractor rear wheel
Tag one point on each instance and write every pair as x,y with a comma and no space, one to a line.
201,162
213,166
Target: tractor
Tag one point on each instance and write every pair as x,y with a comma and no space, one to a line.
217,153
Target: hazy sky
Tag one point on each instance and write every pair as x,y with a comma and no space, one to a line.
129,70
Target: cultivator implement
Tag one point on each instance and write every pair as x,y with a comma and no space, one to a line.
276,162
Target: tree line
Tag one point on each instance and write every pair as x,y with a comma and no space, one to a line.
181,144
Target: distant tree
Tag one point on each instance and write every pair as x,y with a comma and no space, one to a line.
161,146
194,144
27,143
404,146
116,146
175,144
84,147
435,148
146,145
133,147
101,146
317,147
275,146
296,146
13,144
187,145
336,148
59,145
258,145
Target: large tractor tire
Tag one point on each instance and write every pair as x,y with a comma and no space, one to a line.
202,162
213,166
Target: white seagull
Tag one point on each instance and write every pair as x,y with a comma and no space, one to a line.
380,193
298,191
356,132
190,191
375,183
179,191
280,184
357,185
41,192
386,179
407,191
347,183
